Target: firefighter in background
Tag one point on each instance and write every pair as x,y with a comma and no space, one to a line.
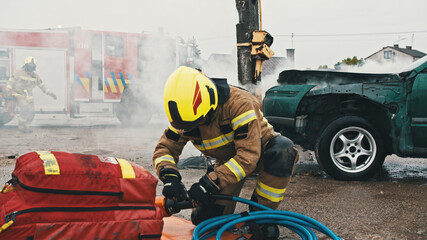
21,86
226,123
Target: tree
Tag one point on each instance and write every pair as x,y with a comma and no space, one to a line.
353,61
189,53
193,48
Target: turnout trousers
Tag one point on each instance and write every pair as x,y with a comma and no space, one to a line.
25,112
274,172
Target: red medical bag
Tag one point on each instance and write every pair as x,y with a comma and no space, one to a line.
59,195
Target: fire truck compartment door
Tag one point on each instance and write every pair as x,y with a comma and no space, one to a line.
51,67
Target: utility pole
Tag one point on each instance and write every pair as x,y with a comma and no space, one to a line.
253,44
248,22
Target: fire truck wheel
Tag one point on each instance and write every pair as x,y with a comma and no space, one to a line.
5,118
7,109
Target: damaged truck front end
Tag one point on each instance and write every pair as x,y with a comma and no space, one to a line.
351,120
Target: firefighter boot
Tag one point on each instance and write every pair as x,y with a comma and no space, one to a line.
270,231
23,125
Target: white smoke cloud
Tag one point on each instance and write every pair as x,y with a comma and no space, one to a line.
371,66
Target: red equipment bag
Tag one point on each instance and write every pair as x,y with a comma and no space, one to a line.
59,195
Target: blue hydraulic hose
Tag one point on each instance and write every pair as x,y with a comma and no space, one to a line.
300,224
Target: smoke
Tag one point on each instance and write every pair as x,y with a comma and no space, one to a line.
156,58
50,54
269,81
371,66
225,66
158,54
222,66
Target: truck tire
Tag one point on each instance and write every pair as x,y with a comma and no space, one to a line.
5,118
350,148
7,109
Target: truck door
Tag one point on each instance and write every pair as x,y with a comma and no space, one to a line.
418,110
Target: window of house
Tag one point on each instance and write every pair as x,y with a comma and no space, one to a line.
114,46
388,54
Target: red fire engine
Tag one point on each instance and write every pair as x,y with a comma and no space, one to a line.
89,71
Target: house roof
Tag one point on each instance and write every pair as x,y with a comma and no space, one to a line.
409,51
270,66
220,57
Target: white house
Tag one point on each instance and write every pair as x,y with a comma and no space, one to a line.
396,54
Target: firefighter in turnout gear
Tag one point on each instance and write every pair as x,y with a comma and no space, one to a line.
21,86
226,123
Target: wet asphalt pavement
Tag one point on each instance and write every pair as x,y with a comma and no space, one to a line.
392,205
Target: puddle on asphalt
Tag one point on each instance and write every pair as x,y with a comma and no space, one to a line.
401,172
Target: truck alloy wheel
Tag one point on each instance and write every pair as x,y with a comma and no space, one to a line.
350,149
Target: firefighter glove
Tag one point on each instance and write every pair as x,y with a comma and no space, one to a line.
30,99
53,95
173,187
203,190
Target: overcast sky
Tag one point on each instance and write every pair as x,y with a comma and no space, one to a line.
325,31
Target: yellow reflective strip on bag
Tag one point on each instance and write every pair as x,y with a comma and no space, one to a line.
127,169
50,164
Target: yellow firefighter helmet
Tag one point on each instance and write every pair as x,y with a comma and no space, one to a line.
189,96
30,60
30,64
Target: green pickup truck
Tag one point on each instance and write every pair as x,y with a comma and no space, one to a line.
352,120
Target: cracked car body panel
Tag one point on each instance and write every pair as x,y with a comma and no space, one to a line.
307,100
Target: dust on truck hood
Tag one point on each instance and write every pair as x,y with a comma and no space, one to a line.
313,77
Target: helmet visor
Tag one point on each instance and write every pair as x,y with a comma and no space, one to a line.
186,126
177,121
30,66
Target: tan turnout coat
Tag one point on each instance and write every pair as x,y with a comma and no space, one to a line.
236,136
